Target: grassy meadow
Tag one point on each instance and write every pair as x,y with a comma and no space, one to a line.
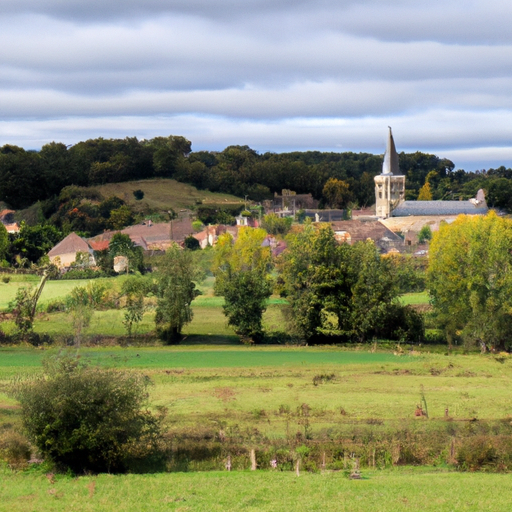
327,404
252,395
162,194
398,490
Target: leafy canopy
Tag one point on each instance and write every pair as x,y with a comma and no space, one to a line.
176,291
242,271
85,418
470,279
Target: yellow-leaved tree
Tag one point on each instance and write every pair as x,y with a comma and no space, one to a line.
242,271
470,280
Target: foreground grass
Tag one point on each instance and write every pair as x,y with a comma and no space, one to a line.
394,490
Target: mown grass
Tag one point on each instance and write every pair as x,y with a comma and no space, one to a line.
397,490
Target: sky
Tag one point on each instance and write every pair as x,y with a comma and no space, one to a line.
276,75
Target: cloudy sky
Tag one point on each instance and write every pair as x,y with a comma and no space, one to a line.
277,75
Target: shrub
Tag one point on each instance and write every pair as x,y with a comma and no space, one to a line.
87,418
56,306
36,339
476,453
14,449
6,279
138,194
7,339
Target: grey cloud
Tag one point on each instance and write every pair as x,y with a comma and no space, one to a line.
328,99
178,56
275,75
455,21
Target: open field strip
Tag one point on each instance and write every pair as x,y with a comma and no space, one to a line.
252,386
52,290
391,490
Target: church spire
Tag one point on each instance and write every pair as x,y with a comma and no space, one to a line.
390,164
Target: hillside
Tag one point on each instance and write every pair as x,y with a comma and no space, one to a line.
162,194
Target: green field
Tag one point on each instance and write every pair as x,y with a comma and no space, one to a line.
209,325
388,491
223,398
252,395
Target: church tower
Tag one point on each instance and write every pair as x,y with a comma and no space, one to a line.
390,184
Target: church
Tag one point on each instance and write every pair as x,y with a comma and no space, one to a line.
390,194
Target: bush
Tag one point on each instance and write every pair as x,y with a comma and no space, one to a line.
88,419
15,449
56,306
7,339
138,194
192,243
38,339
476,453
86,273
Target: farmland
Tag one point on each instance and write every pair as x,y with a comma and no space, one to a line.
252,394
332,405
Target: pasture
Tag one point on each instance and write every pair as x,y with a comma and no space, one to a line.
162,194
221,400
384,491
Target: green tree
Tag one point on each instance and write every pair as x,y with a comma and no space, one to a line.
122,245
341,292
424,234
24,305
337,193
315,273
87,419
374,291
82,302
33,242
135,289
4,242
470,279
242,272
175,293
120,217
275,225
192,243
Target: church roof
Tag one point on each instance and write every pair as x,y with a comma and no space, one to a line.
360,231
390,164
439,208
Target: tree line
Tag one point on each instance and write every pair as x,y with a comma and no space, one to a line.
30,176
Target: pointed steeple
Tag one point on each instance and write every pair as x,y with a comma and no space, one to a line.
390,164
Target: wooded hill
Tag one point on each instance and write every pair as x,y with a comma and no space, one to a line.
30,176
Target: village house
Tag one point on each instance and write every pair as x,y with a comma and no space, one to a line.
65,253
